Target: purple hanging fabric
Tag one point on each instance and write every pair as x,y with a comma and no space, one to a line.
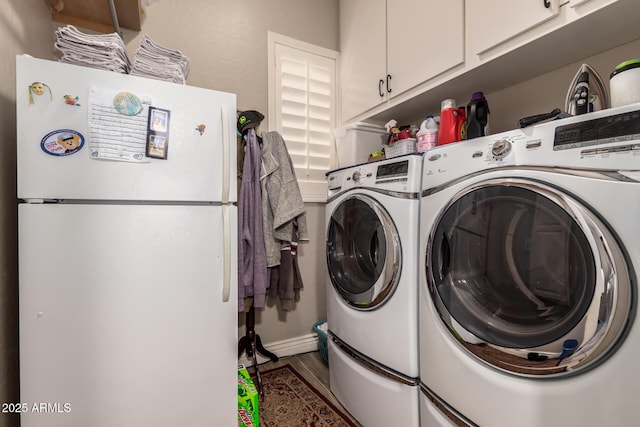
253,277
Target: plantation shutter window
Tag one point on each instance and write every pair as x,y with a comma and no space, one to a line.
304,102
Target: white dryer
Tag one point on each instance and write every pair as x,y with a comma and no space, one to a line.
372,291
528,284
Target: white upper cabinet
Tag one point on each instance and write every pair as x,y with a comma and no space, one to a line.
400,58
576,2
424,38
494,28
491,23
391,46
596,4
363,61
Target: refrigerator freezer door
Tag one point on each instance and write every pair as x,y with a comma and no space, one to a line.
201,148
122,319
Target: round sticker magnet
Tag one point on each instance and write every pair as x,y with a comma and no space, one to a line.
62,142
127,103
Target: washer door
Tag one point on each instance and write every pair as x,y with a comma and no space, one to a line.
527,279
363,252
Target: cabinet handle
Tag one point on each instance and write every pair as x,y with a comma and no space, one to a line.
547,3
388,85
380,83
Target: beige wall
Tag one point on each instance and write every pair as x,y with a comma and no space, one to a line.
273,324
25,27
545,92
226,41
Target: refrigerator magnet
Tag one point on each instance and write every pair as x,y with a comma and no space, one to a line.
157,147
38,88
158,120
62,142
127,103
158,132
71,100
200,128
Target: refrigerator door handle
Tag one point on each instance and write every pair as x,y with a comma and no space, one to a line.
226,159
226,256
226,155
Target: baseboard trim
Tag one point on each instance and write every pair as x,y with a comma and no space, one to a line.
289,347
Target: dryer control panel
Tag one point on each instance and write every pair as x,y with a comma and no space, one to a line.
400,174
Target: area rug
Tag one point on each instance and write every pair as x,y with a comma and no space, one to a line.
290,401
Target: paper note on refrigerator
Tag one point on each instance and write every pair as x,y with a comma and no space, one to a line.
117,125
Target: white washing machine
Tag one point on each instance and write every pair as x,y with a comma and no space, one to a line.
372,291
530,250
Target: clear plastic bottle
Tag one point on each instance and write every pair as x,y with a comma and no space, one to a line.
427,135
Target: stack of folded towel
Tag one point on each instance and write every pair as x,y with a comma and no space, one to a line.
158,62
107,52
102,51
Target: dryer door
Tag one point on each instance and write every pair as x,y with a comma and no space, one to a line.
528,279
363,252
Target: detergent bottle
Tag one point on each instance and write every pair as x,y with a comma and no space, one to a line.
427,135
462,123
477,116
449,123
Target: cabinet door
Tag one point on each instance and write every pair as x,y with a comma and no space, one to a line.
597,4
424,39
363,55
575,3
490,23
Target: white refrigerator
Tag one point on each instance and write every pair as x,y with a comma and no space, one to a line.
127,249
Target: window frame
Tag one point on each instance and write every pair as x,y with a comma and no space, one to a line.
275,39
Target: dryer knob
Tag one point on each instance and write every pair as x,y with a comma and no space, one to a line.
500,148
356,176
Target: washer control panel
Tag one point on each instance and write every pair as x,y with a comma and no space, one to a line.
621,127
607,140
500,148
